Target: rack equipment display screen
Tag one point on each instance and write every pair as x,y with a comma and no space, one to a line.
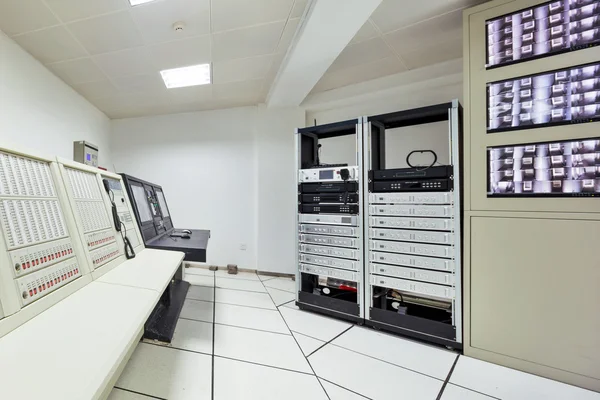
566,96
540,31
552,169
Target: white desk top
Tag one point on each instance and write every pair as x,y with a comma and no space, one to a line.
150,269
71,350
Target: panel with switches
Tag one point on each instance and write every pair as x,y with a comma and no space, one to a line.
34,258
41,283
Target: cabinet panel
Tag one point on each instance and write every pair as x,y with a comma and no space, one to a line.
534,291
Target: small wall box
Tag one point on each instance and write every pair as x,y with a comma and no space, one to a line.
85,153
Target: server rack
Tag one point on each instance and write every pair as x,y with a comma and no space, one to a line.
329,240
413,242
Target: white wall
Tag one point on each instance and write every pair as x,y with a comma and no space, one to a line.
38,111
277,194
206,163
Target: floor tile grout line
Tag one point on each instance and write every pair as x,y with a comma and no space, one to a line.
140,393
265,365
326,343
212,375
387,362
253,329
475,391
237,290
345,388
300,348
234,326
232,304
177,348
197,320
308,336
439,396
287,302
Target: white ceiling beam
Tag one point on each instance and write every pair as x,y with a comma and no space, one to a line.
328,27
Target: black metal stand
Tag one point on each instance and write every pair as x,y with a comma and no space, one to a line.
163,320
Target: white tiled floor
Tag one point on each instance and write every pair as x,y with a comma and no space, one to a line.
265,348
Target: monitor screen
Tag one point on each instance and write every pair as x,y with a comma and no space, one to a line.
549,28
163,203
565,96
551,169
139,195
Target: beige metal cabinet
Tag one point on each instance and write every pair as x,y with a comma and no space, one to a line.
532,265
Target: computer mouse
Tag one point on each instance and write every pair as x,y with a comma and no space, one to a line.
186,237
187,231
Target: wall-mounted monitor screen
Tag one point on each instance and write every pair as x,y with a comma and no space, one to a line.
557,97
540,31
551,169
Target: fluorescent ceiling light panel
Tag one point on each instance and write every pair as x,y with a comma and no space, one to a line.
187,76
138,2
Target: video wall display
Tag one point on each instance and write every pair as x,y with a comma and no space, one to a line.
549,28
556,169
560,97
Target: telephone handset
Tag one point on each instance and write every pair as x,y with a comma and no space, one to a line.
129,252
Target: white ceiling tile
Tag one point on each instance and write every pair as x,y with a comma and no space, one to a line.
241,69
126,62
395,14
140,83
234,14
181,53
19,16
428,33
155,20
51,45
247,42
77,71
361,53
91,90
288,35
299,7
107,33
440,52
450,21
192,94
246,90
359,73
367,31
70,10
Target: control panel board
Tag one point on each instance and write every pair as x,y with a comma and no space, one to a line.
96,225
38,248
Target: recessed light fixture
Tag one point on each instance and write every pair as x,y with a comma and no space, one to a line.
138,2
187,76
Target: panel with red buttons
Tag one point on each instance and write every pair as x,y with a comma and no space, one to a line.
35,258
104,255
38,284
97,239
